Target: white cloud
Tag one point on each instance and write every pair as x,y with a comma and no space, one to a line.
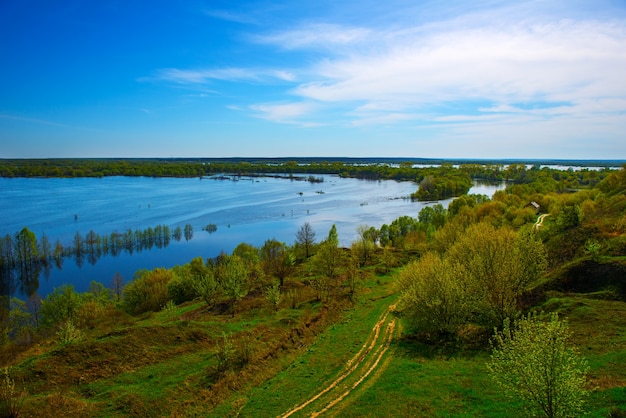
203,76
565,62
230,16
291,113
318,35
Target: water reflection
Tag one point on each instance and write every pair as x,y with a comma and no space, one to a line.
239,211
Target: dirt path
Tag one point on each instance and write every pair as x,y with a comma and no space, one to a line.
540,220
356,370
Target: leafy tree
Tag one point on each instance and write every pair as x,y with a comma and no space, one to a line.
499,265
26,249
533,362
207,287
365,245
181,288
188,232
28,262
233,279
276,259
60,305
569,217
225,354
434,215
327,260
333,237
434,294
147,292
251,257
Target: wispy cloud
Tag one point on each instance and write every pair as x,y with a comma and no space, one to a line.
34,120
316,35
291,113
560,70
203,76
230,16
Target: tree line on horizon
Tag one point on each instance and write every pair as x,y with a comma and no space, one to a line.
436,182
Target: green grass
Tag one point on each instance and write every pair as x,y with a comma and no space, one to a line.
319,364
161,364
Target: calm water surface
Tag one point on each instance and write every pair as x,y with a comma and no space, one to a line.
248,210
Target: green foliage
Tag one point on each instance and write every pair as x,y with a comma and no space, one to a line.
364,247
20,322
207,287
435,215
233,276
593,247
499,266
466,201
273,296
479,278
69,333
276,259
443,186
181,288
434,294
225,354
60,305
11,399
569,217
147,292
328,260
169,308
533,361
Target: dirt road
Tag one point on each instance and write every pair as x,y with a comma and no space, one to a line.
356,370
540,220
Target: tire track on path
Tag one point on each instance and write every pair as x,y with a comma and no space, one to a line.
357,369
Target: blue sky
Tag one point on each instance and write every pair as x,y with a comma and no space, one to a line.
449,79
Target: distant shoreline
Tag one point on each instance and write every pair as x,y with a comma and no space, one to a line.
346,160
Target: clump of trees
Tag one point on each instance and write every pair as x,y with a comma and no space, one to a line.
479,278
442,186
